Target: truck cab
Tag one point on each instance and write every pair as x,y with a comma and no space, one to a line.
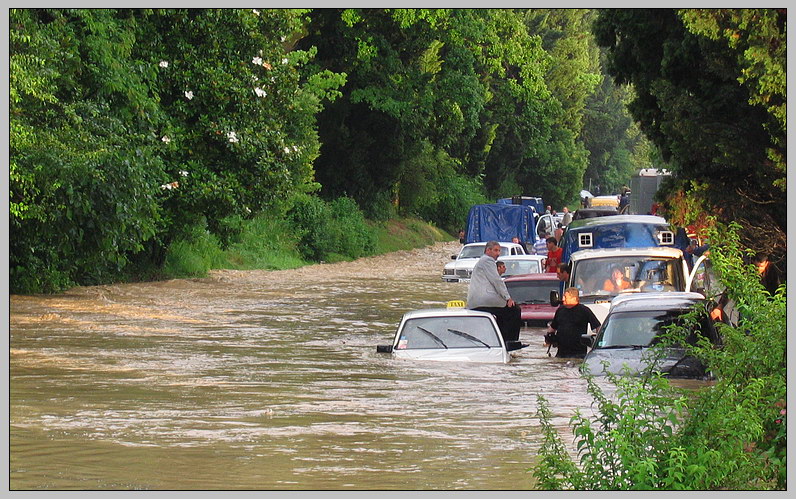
651,269
616,231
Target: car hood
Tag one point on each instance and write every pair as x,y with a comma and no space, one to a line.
676,364
499,355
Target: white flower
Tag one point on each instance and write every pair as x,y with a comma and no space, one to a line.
260,92
189,94
257,60
256,12
170,186
295,148
284,61
232,136
165,139
183,173
287,150
282,39
164,64
246,209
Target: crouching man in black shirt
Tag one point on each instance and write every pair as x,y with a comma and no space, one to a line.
569,324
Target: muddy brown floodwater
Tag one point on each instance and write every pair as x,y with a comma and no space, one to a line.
269,380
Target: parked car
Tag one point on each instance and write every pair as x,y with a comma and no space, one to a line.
522,264
594,212
449,334
635,323
462,266
532,294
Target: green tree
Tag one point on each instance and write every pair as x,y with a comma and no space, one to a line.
691,104
83,168
129,127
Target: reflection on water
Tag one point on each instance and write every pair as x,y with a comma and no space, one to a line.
268,380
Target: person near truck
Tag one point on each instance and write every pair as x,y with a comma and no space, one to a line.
569,324
554,255
488,293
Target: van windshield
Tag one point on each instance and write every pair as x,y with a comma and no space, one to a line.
610,276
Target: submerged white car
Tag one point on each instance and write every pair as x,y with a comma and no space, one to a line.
461,268
448,334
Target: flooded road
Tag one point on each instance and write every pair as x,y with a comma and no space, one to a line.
269,380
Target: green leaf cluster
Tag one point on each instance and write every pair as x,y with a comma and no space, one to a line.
728,435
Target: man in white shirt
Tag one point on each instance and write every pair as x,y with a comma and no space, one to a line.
488,293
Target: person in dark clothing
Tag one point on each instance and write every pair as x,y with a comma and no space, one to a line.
769,275
569,323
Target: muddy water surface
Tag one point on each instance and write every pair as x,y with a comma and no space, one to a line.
268,380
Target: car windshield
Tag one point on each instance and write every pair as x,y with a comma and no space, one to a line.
472,252
448,332
531,292
611,275
517,267
626,329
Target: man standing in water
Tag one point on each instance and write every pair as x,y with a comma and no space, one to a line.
570,323
488,293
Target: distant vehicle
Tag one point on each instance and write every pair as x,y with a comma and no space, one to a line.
643,186
594,212
500,222
448,334
548,223
536,202
462,266
645,270
612,200
532,294
522,264
635,323
616,231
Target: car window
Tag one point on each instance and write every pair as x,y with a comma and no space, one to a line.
641,328
450,332
531,292
472,252
519,267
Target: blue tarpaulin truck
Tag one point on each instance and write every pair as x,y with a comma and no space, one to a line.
500,222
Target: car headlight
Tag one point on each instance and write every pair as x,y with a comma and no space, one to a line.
448,272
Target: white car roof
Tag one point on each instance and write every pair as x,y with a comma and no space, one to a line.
656,300
439,312
504,244
664,251
520,257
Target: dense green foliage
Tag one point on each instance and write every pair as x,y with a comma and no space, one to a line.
131,129
135,129
729,435
710,94
438,98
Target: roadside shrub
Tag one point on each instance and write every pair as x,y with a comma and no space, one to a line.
728,435
193,256
331,231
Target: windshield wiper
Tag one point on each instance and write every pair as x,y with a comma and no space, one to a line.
635,347
433,336
533,302
468,336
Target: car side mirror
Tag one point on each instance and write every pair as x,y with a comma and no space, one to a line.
554,299
453,257
384,348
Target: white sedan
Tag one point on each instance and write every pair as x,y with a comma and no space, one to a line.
461,268
448,334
